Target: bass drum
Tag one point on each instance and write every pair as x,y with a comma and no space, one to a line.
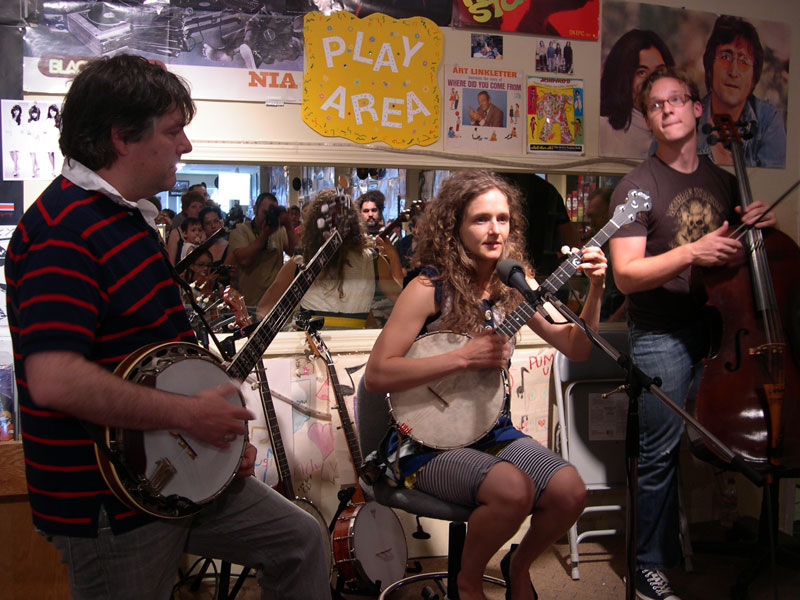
369,546
307,506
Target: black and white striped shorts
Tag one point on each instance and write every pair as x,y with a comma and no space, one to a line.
456,475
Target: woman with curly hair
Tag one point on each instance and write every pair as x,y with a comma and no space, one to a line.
344,290
476,221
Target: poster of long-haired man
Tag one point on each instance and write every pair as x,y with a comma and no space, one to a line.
740,65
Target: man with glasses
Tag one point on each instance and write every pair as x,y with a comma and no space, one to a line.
693,204
733,62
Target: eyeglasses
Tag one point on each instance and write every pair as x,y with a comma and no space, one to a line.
676,101
743,62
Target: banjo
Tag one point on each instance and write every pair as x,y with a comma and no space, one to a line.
446,413
369,545
171,474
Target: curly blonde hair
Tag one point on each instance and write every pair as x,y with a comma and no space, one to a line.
345,219
440,246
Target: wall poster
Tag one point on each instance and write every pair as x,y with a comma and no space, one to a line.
227,50
555,115
740,67
577,19
485,110
30,141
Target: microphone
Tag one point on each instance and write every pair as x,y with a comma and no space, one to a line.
512,273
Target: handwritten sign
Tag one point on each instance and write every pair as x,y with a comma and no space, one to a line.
372,79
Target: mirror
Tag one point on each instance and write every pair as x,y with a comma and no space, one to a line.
404,193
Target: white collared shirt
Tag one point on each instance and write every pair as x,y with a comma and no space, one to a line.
89,180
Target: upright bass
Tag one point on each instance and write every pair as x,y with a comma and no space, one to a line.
749,394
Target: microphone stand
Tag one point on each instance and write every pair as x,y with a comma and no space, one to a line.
635,381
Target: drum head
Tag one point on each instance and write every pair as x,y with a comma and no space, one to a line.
202,470
379,544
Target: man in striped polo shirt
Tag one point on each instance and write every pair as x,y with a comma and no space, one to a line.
87,286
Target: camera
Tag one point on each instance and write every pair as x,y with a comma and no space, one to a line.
273,215
234,217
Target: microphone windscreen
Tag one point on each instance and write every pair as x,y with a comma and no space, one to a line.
506,267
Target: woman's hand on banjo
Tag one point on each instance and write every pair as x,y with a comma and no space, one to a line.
594,264
215,420
486,349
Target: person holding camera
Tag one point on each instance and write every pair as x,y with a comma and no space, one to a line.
257,246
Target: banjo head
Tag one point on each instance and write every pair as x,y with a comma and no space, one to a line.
453,411
198,472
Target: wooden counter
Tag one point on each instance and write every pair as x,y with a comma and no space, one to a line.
29,564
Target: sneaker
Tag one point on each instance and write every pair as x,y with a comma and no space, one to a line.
653,585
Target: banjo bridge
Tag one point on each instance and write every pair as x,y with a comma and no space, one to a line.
184,444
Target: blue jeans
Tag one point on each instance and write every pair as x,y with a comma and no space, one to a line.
674,357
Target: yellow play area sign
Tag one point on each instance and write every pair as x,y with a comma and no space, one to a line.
372,79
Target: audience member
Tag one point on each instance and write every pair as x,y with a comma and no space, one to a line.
258,247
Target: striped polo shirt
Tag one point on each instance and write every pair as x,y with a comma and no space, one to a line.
85,274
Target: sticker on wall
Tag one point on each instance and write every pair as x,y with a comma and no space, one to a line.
372,79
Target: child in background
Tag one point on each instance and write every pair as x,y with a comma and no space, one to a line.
192,234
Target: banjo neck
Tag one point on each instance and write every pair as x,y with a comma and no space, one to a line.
319,347
637,201
274,430
244,361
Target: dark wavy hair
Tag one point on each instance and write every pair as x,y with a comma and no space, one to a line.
54,113
123,91
209,209
726,29
616,83
643,99
375,196
440,246
348,222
